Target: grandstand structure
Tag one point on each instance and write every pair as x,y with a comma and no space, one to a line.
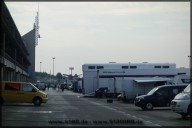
17,53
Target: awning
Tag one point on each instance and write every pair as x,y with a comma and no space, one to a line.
151,80
145,81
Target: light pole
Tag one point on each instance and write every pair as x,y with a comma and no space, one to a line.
40,67
53,65
71,68
189,62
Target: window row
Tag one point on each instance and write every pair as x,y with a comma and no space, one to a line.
124,67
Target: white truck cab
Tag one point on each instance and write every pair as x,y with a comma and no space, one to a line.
182,102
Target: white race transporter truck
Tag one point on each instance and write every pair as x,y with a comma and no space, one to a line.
182,102
128,76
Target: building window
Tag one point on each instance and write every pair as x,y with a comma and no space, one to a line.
12,86
165,66
91,67
157,66
181,73
133,67
125,67
100,67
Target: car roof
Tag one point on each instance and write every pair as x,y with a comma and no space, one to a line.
13,82
103,88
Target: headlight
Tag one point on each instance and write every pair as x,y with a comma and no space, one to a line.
140,99
44,96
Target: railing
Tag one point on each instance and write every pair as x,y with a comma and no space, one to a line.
8,60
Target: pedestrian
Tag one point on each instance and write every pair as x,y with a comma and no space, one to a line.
62,87
48,86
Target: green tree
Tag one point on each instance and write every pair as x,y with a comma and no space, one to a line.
59,75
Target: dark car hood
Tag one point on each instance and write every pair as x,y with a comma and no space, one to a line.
142,96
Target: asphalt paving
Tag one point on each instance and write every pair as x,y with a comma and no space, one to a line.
73,109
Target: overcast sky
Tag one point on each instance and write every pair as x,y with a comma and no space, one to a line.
76,33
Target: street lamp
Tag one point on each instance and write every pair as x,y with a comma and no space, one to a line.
53,65
40,67
71,68
189,62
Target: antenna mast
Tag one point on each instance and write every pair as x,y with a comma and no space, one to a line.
36,26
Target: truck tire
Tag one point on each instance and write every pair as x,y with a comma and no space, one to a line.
149,106
37,101
189,110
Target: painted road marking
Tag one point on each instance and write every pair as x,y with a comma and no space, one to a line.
149,123
29,111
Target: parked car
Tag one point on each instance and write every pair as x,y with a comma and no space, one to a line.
182,102
160,96
101,92
21,92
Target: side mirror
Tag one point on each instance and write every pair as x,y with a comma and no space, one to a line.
33,90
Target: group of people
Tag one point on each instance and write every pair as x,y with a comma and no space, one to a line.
62,87
48,86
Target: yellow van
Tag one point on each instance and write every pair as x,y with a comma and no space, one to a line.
21,92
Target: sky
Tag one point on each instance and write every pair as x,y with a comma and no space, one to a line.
76,33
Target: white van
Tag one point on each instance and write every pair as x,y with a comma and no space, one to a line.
182,102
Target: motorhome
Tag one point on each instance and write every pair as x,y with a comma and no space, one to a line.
133,87
111,74
130,87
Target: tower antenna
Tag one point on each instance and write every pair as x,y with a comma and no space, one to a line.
36,26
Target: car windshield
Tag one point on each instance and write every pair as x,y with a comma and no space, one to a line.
102,89
152,91
187,89
34,87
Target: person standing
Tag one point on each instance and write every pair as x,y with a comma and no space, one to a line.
62,87
48,86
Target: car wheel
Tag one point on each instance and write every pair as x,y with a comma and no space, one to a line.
103,96
37,101
184,115
190,110
149,106
1,101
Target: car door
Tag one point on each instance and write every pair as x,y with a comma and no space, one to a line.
12,92
162,97
28,93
